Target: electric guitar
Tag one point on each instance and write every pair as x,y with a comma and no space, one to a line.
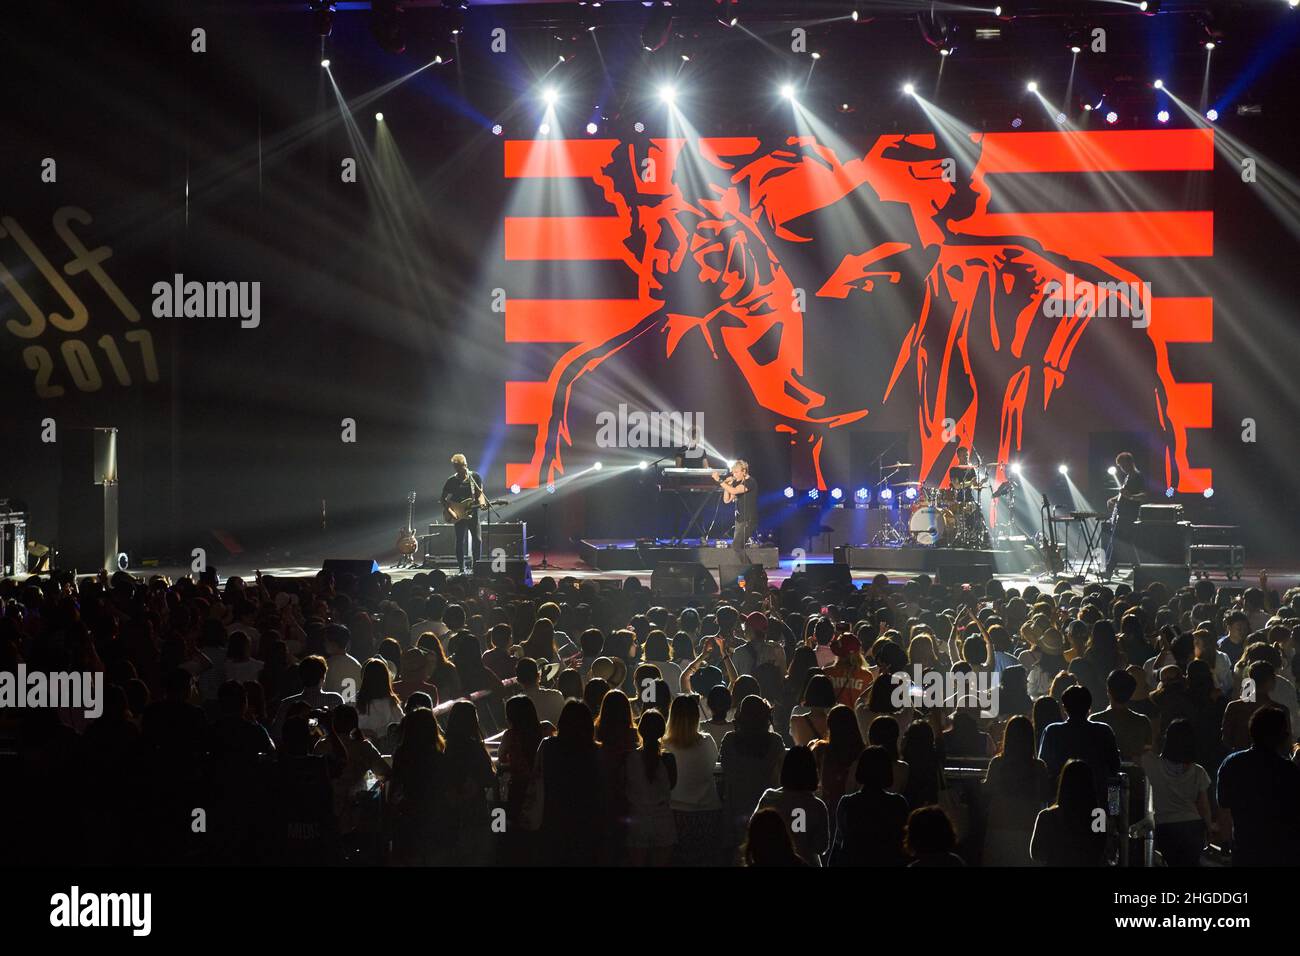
407,544
455,511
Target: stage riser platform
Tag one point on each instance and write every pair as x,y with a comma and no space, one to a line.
618,556
926,559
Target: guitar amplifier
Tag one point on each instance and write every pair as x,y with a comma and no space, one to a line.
510,536
439,542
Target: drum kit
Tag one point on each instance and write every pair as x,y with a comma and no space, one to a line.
931,516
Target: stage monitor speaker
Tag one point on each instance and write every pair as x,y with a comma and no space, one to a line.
13,544
1172,576
682,577
88,495
357,567
516,569
440,542
950,574
823,575
510,536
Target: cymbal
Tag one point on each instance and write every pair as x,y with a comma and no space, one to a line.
898,464
910,484
971,467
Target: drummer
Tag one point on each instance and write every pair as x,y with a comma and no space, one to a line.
962,475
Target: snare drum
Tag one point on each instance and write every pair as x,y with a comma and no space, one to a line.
932,526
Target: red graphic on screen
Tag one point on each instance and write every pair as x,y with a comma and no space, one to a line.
699,225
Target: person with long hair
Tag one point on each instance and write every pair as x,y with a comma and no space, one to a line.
468,775
1064,833
420,832
1045,712
924,764
1180,792
885,732
1101,655
516,758
540,643
796,799
696,805
1015,788
377,705
658,652
768,841
442,673
837,756
649,778
574,805
751,757
616,734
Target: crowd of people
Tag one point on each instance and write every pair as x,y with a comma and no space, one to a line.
446,720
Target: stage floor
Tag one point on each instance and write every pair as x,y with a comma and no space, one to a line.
570,564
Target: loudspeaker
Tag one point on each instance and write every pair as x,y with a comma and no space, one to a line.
827,575
439,542
1162,542
516,569
13,544
357,567
964,573
682,577
510,536
88,539
1172,576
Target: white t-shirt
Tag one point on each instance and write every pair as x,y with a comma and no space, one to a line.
696,789
341,668
379,714
548,702
1174,788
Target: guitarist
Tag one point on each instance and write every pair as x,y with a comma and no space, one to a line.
739,487
464,486
1124,508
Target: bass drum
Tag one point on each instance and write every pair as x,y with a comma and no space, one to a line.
931,526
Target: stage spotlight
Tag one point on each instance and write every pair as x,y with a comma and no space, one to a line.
591,129
909,89
597,466
815,55
1112,471
1017,122
1209,44
886,494
1112,117
515,489
1060,118
379,117
550,96
787,91
837,493
1031,86
639,126
668,93
1076,49
1169,492
789,492
496,129
643,464
550,488
1017,469
910,493
1163,116
544,129
1212,115
863,494
1208,492
325,64
1159,84
1063,468
813,494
